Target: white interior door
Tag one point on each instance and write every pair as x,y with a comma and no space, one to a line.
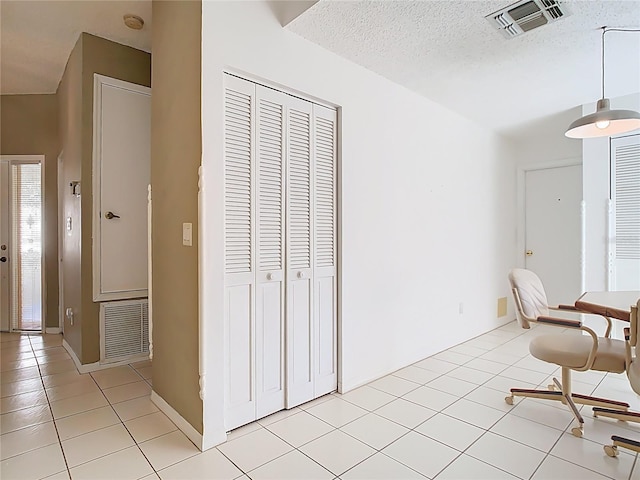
625,231
552,230
301,348
325,275
239,209
280,228
270,326
122,136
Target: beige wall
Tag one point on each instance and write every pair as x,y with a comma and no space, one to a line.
90,55
70,114
175,157
124,63
30,127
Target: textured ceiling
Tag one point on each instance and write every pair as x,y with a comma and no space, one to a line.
36,37
448,52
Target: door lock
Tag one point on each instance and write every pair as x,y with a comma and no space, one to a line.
529,253
3,259
3,247
110,215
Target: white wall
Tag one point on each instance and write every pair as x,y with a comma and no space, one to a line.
596,189
543,140
428,216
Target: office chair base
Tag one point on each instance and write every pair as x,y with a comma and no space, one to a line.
550,395
602,405
623,415
570,399
612,450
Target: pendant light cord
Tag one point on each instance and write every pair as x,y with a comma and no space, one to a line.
606,30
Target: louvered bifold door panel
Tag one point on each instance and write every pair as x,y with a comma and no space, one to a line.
270,381
300,328
239,257
625,158
325,240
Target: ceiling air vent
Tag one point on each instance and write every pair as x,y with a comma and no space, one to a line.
525,16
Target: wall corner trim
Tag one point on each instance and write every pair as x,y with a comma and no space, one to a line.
73,355
92,367
175,417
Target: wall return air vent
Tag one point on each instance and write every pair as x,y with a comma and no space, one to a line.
527,15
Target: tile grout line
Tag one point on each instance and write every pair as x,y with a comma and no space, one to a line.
122,422
55,425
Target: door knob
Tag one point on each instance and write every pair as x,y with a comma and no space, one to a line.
529,253
269,276
300,274
3,259
110,215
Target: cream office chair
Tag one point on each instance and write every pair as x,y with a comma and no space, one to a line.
631,336
578,352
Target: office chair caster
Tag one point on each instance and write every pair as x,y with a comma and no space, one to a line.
611,450
577,431
509,399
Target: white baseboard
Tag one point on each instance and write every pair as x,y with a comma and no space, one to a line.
191,433
81,368
53,330
92,367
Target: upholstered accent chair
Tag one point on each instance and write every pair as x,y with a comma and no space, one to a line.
579,348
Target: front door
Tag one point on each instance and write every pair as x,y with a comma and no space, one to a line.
552,230
21,242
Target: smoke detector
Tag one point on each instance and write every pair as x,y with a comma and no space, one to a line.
526,15
133,21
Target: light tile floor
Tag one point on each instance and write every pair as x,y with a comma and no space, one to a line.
443,418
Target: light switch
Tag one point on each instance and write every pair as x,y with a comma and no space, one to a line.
187,231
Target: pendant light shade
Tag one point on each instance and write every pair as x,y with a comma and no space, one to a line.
605,122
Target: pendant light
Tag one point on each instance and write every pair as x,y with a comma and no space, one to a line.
604,122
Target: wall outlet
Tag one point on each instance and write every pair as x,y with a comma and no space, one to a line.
502,307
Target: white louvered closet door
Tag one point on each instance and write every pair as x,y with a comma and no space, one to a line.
324,260
239,209
280,251
299,249
270,380
625,183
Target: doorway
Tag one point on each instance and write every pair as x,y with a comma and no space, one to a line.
21,244
552,229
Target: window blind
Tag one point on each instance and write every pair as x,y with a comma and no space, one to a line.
26,246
